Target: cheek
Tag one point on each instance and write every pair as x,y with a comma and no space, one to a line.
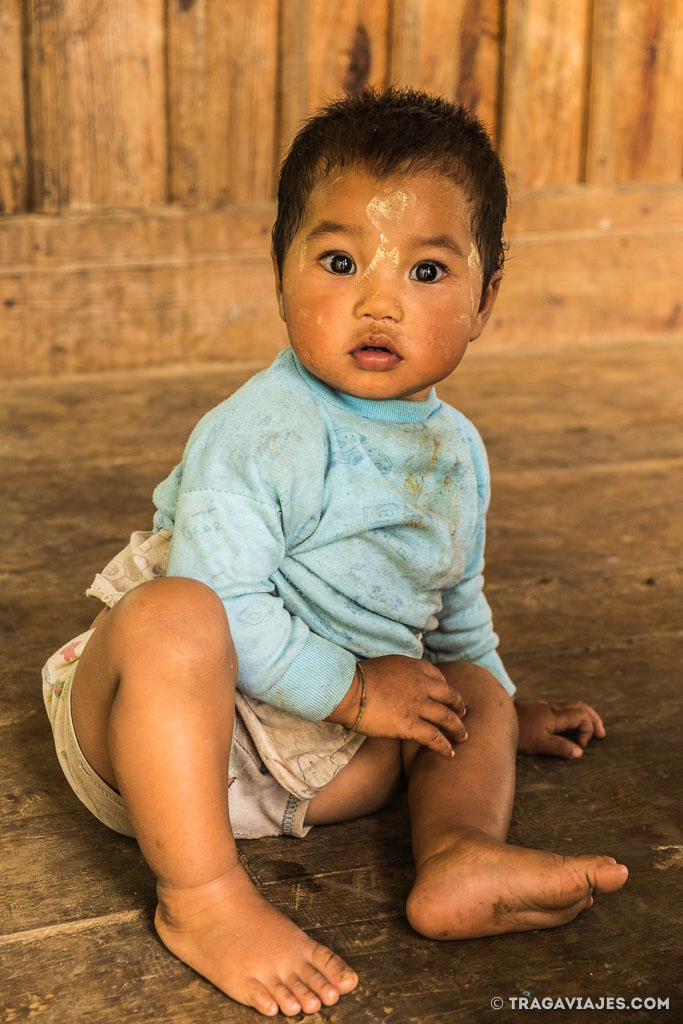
444,329
300,326
445,341
294,270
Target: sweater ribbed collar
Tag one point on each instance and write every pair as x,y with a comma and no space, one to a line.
395,410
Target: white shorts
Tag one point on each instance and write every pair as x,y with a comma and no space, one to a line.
278,761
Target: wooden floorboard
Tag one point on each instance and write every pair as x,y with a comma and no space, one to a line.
584,575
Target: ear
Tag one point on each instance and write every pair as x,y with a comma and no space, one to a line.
488,301
278,286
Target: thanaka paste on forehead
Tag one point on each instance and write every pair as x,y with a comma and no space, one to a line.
391,206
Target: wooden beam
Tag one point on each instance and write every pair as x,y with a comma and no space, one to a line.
13,169
87,292
635,129
108,290
222,79
95,75
450,49
588,265
545,60
325,50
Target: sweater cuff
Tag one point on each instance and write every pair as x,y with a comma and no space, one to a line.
316,681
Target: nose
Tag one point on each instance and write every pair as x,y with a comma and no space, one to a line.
379,296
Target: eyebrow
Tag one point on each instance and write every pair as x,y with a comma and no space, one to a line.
438,242
333,227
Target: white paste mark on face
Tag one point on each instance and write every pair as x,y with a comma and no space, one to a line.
320,321
298,253
382,255
474,265
392,205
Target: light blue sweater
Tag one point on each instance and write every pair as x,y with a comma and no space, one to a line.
333,528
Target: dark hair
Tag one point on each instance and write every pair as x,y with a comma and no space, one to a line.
395,130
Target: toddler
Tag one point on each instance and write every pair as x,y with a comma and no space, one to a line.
304,631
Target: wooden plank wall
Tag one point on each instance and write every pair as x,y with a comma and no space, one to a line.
139,146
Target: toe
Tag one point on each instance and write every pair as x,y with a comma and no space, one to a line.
606,875
327,993
310,1002
260,998
333,968
286,999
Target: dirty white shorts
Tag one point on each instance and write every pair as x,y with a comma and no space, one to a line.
278,761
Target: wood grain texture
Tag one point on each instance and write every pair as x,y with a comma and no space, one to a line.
576,287
630,207
96,96
127,289
47,97
635,129
13,153
544,77
195,102
450,49
104,290
222,75
124,973
326,50
584,545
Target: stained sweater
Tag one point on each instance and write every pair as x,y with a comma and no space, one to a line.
333,528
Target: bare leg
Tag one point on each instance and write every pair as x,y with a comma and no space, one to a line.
370,781
469,881
153,711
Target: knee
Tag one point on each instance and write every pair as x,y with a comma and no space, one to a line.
492,708
181,619
486,699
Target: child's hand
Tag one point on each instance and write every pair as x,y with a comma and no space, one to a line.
410,699
541,722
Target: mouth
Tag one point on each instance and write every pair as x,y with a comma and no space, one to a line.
376,352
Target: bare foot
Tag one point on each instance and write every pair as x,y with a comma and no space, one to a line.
477,886
231,935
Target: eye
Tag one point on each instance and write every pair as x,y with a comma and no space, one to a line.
338,263
427,272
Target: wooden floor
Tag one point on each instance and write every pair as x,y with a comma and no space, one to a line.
584,574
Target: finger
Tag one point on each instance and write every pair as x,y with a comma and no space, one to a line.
558,746
585,732
451,698
580,707
574,718
428,735
446,719
432,671
599,728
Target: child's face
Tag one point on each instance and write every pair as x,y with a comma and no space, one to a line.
381,287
